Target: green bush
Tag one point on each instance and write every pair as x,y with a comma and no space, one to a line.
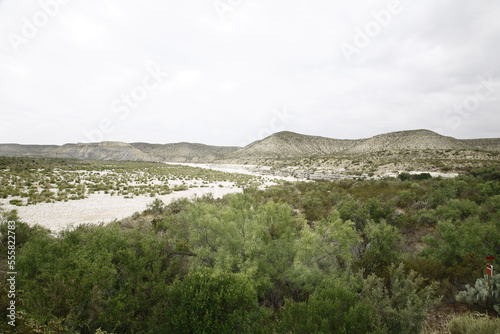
425,217
405,198
407,176
467,324
352,210
208,301
96,276
382,241
456,209
454,240
333,308
378,210
16,202
23,232
403,303
404,176
156,207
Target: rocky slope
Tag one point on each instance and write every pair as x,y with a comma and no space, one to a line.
91,151
408,140
25,150
185,152
281,145
289,144
103,151
486,144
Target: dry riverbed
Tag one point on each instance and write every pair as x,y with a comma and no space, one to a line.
101,207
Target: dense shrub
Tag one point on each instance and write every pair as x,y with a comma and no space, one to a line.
352,210
420,176
95,277
382,241
333,308
454,240
426,217
208,301
403,303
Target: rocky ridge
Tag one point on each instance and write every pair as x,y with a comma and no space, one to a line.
281,145
185,152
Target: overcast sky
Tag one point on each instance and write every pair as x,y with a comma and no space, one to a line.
227,72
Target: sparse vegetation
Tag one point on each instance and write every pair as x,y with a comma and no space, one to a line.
30,181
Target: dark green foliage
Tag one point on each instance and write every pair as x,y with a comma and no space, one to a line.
456,209
454,240
403,303
378,210
425,217
405,198
382,245
156,207
408,176
22,230
491,173
208,301
332,308
96,277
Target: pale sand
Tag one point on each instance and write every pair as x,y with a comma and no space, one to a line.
100,207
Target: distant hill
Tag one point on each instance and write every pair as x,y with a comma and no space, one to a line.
408,140
486,144
91,151
290,144
185,152
19,150
277,146
103,151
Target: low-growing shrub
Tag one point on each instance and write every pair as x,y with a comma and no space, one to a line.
468,324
